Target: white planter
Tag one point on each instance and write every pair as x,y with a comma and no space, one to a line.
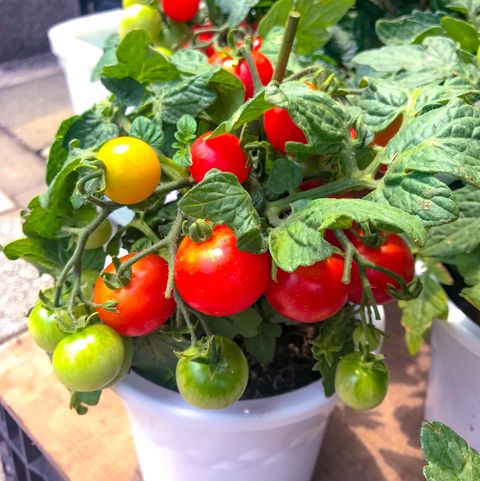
270,439
78,45
453,395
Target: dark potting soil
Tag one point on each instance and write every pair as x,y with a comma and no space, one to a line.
453,292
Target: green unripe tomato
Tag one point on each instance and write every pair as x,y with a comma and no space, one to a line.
42,325
129,3
141,17
90,359
127,361
361,384
99,236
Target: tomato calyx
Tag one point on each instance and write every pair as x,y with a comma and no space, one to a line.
200,231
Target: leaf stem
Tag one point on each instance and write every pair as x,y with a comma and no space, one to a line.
186,316
247,55
287,44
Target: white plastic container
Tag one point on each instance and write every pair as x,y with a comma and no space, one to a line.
453,394
78,45
270,439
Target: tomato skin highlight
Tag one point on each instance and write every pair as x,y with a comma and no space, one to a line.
42,326
216,278
264,68
222,152
132,169
394,254
280,129
180,10
89,359
213,387
142,306
361,384
310,294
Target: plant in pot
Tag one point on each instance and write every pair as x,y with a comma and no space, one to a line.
262,241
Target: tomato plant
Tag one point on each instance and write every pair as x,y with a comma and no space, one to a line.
394,254
140,17
280,129
264,68
142,306
212,381
89,359
43,327
310,294
180,10
223,153
216,278
132,169
361,384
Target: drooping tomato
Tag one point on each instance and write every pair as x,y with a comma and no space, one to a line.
280,129
264,68
222,152
142,306
310,294
216,278
394,254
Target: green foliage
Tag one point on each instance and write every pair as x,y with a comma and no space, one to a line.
185,135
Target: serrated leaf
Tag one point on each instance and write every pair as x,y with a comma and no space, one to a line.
445,140
262,346
299,240
461,236
150,131
243,324
447,455
316,17
221,199
191,61
128,90
235,11
408,28
284,176
418,314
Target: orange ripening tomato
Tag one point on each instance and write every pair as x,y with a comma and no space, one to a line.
383,138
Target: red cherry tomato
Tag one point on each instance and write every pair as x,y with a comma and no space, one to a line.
264,68
383,138
218,279
142,306
280,129
223,60
223,153
257,43
310,294
206,37
394,254
353,133
180,10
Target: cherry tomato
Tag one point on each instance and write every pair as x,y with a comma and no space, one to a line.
353,133
89,359
222,152
127,361
132,169
217,385
361,384
310,294
383,138
257,43
280,129
221,59
394,254
264,68
140,17
180,10
142,306
43,327
216,278
99,236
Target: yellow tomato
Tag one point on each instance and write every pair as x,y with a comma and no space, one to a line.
132,169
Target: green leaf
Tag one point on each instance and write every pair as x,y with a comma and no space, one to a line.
191,61
109,56
80,400
442,141
418,314
150,131
137,60
299,240
462,32
185,135
467,7
235,11
461,236
316,17
128,90
284,176
472,295
245,324
447,455
408,28
221,199
262,346
334,340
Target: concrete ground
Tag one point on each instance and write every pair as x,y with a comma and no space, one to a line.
381,445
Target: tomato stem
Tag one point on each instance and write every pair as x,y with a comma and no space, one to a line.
247,55
287,44
186,316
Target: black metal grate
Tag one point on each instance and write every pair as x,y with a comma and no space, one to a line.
20,458
90,6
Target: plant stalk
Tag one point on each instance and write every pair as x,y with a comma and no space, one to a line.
287,44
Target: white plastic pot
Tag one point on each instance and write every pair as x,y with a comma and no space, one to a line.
271,439
78,45
453,395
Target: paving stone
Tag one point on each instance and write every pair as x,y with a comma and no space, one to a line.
20,282
20,170
6,203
